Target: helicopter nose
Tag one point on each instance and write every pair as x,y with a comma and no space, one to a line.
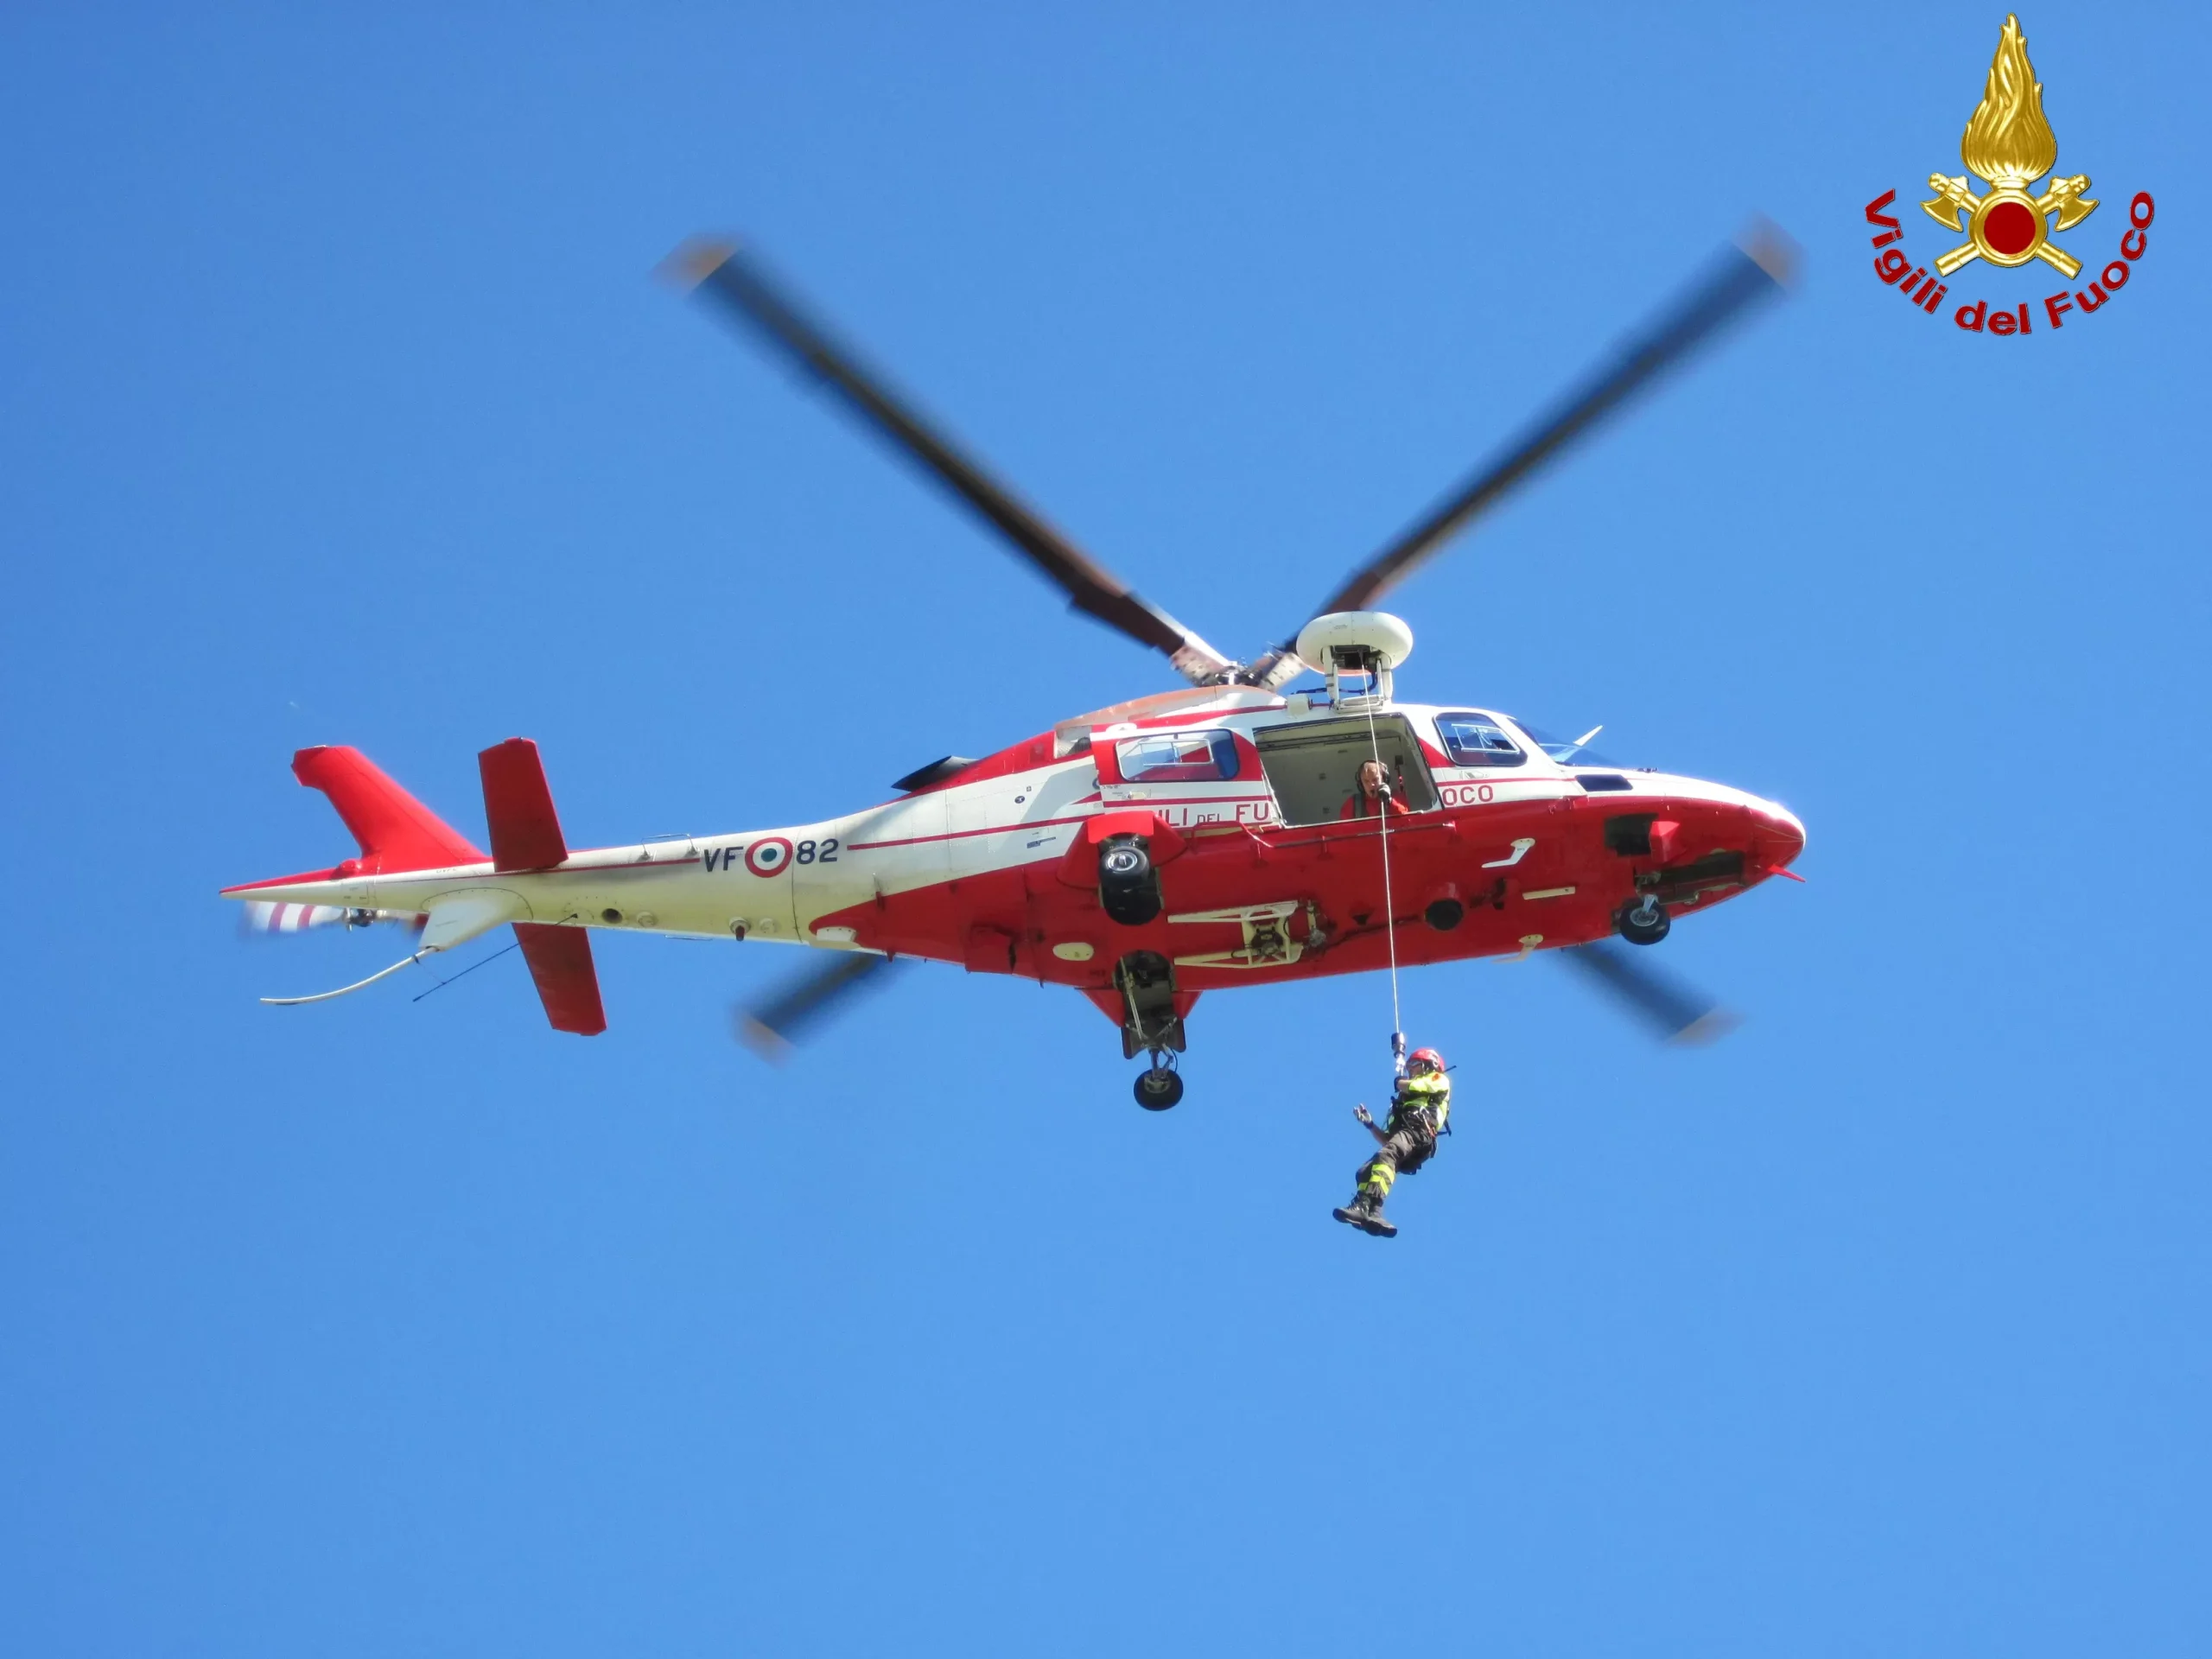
1781,837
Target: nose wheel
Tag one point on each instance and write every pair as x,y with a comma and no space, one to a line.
1161,1086
1644,922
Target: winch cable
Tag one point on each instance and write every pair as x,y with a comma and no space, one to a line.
1389,909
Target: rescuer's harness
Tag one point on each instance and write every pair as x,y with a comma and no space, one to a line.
1422,1110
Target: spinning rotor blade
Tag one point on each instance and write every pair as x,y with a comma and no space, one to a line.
259,919
771,1028
740,283
1675,1011
1758,266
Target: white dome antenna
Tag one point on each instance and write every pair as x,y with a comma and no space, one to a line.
1368,643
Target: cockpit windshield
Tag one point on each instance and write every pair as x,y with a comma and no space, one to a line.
1565,750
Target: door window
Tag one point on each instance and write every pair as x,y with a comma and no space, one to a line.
1177,758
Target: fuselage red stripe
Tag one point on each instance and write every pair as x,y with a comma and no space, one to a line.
959,834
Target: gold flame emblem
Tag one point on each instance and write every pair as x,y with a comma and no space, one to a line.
2009,145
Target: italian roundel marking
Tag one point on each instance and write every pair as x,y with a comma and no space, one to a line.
766,857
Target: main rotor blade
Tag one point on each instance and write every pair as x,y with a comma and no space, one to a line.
741,285
1758,266
1675,1011
771,1028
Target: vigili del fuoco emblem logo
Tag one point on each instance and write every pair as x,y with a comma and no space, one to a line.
2008,145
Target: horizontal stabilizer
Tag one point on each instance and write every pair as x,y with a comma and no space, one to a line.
518,805
396,831
560,961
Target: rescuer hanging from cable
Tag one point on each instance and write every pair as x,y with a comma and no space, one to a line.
1421,1110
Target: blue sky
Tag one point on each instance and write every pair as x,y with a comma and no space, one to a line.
339,406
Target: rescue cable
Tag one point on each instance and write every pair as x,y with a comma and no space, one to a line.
1383,800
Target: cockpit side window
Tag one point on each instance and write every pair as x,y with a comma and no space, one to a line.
1177,758
1474,739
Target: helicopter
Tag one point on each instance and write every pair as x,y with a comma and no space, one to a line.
1235,832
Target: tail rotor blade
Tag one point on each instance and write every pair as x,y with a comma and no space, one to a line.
770,1029
1672,1009
261,920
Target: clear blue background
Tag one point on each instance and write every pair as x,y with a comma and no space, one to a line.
339,405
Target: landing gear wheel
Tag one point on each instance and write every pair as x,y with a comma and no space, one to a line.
1644,922
1158,1089
1127,889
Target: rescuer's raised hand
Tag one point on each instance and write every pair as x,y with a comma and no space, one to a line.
1365,1116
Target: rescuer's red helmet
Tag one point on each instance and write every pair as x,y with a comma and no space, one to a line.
1422,1060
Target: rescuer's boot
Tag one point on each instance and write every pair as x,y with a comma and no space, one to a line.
1365,1212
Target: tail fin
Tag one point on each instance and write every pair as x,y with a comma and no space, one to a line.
526,836
396,831
519,806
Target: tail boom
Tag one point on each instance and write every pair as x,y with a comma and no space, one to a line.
412,862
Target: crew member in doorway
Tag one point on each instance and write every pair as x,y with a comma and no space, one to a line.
1372,794
1420,1111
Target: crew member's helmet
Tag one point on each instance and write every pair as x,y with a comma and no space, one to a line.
1422,1061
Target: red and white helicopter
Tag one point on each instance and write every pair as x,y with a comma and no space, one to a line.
1142,854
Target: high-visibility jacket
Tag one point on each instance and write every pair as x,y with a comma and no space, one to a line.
1423,1105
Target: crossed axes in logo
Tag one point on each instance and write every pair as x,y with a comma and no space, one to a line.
1956,206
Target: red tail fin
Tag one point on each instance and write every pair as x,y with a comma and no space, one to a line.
396,831
518,805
